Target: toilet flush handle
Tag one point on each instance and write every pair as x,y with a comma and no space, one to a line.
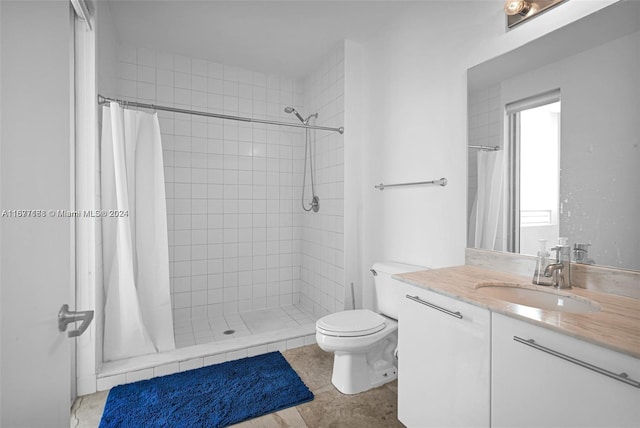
374,272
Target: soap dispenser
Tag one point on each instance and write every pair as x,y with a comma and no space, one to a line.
542,262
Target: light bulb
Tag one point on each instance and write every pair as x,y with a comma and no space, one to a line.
517,7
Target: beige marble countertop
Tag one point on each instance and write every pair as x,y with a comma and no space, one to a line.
616,326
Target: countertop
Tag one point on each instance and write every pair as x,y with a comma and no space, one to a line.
616,326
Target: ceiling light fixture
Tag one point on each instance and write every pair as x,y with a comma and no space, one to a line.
518,11
517,7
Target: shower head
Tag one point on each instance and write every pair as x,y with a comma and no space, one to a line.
292,110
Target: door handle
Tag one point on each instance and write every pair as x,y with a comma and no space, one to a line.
65,317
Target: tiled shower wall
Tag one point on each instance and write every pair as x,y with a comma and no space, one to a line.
322,267
232,194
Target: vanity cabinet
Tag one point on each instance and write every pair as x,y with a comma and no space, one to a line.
533,386
443,361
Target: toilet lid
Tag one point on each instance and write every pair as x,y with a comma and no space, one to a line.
359,322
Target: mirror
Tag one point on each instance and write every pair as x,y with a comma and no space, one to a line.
593,67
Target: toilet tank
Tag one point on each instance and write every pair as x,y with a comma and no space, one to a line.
388,292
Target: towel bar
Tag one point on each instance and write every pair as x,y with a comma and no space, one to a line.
441,182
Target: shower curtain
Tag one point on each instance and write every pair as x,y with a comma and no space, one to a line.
137,315
485,213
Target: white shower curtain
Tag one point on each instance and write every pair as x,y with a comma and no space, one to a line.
485,214
138,318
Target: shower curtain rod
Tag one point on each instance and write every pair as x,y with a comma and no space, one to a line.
105,100
487,148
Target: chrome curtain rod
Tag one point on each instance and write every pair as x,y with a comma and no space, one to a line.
487,148
441,182
105,100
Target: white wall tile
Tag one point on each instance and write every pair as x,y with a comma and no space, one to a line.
323,232
146,74
127,71
231,184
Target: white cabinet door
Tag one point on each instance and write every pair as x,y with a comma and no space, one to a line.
534,388
443,358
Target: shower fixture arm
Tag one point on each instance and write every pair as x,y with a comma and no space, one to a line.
314,115
293,111
300,117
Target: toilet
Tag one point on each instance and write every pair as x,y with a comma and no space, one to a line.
365,342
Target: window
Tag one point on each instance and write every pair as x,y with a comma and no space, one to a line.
534,181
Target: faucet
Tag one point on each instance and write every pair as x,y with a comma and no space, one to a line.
561,269
581,254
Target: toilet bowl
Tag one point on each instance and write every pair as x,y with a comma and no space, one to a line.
364,342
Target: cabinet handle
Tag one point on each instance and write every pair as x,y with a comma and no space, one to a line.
622,377
436,307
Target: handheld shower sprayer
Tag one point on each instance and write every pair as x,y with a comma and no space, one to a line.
315,200
294,111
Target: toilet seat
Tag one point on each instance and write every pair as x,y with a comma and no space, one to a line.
352,323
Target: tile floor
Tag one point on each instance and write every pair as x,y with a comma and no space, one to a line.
376,408
224,327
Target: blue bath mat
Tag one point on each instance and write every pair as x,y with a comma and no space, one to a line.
213,396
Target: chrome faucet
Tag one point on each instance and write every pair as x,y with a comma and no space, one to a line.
581,254
560,271
556,271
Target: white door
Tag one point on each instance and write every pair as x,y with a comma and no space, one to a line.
36,258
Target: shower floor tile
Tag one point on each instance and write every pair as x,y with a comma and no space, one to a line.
219,328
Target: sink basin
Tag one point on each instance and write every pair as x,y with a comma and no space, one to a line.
541,299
